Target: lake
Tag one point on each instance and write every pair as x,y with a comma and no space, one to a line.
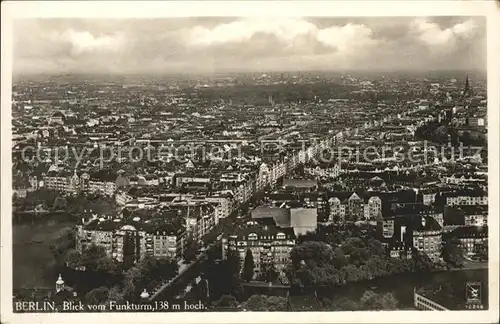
401,286
33,263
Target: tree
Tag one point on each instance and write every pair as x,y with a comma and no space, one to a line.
92,255
344,304
97,296
226,301
373,301
167,268
191,249
223,276
353,273
271,274
375,247
73,258
421,261
62,244
132,284
339,259
116,295
317,252
108,265
202,290
248,266
60,203
233,261
149,272
265,303
452,254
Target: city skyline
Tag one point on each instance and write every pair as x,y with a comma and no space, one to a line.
222,44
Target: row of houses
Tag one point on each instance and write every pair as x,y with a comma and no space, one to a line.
165,235
424,229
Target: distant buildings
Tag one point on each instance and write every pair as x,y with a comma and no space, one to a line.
64,182
345,206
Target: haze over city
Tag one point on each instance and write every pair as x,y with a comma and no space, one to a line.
248,44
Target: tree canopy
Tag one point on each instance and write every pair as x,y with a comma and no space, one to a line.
248,266
265,303
318,265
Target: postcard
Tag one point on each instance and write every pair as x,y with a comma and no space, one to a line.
250,161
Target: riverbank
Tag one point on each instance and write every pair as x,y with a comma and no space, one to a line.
471,266
402,285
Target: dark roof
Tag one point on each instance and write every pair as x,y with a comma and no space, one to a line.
299,183
262,231
425,223
104,175
411,223
342,196
459,193
170,225
122,181
471,231
282,196
410,208
269,212
453,216
474,210
304,303
425,180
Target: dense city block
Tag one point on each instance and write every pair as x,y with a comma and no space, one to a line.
250,191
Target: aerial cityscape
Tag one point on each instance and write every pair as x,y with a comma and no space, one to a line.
227,164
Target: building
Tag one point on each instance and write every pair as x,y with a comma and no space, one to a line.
349,206
57,118
414,227
122,197
424,303
326,171
270,246
465,215
263,177
466,198
271,235
473,239
427,237
129,241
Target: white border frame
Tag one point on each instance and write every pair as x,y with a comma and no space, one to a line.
151,9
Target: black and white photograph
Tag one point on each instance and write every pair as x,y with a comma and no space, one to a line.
250,163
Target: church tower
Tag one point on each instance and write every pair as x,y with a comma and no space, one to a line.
467,93
59,284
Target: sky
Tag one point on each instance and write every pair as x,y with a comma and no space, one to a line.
178,45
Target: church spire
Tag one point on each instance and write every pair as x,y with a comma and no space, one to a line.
467,90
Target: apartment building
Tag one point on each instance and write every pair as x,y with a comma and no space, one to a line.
270,246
